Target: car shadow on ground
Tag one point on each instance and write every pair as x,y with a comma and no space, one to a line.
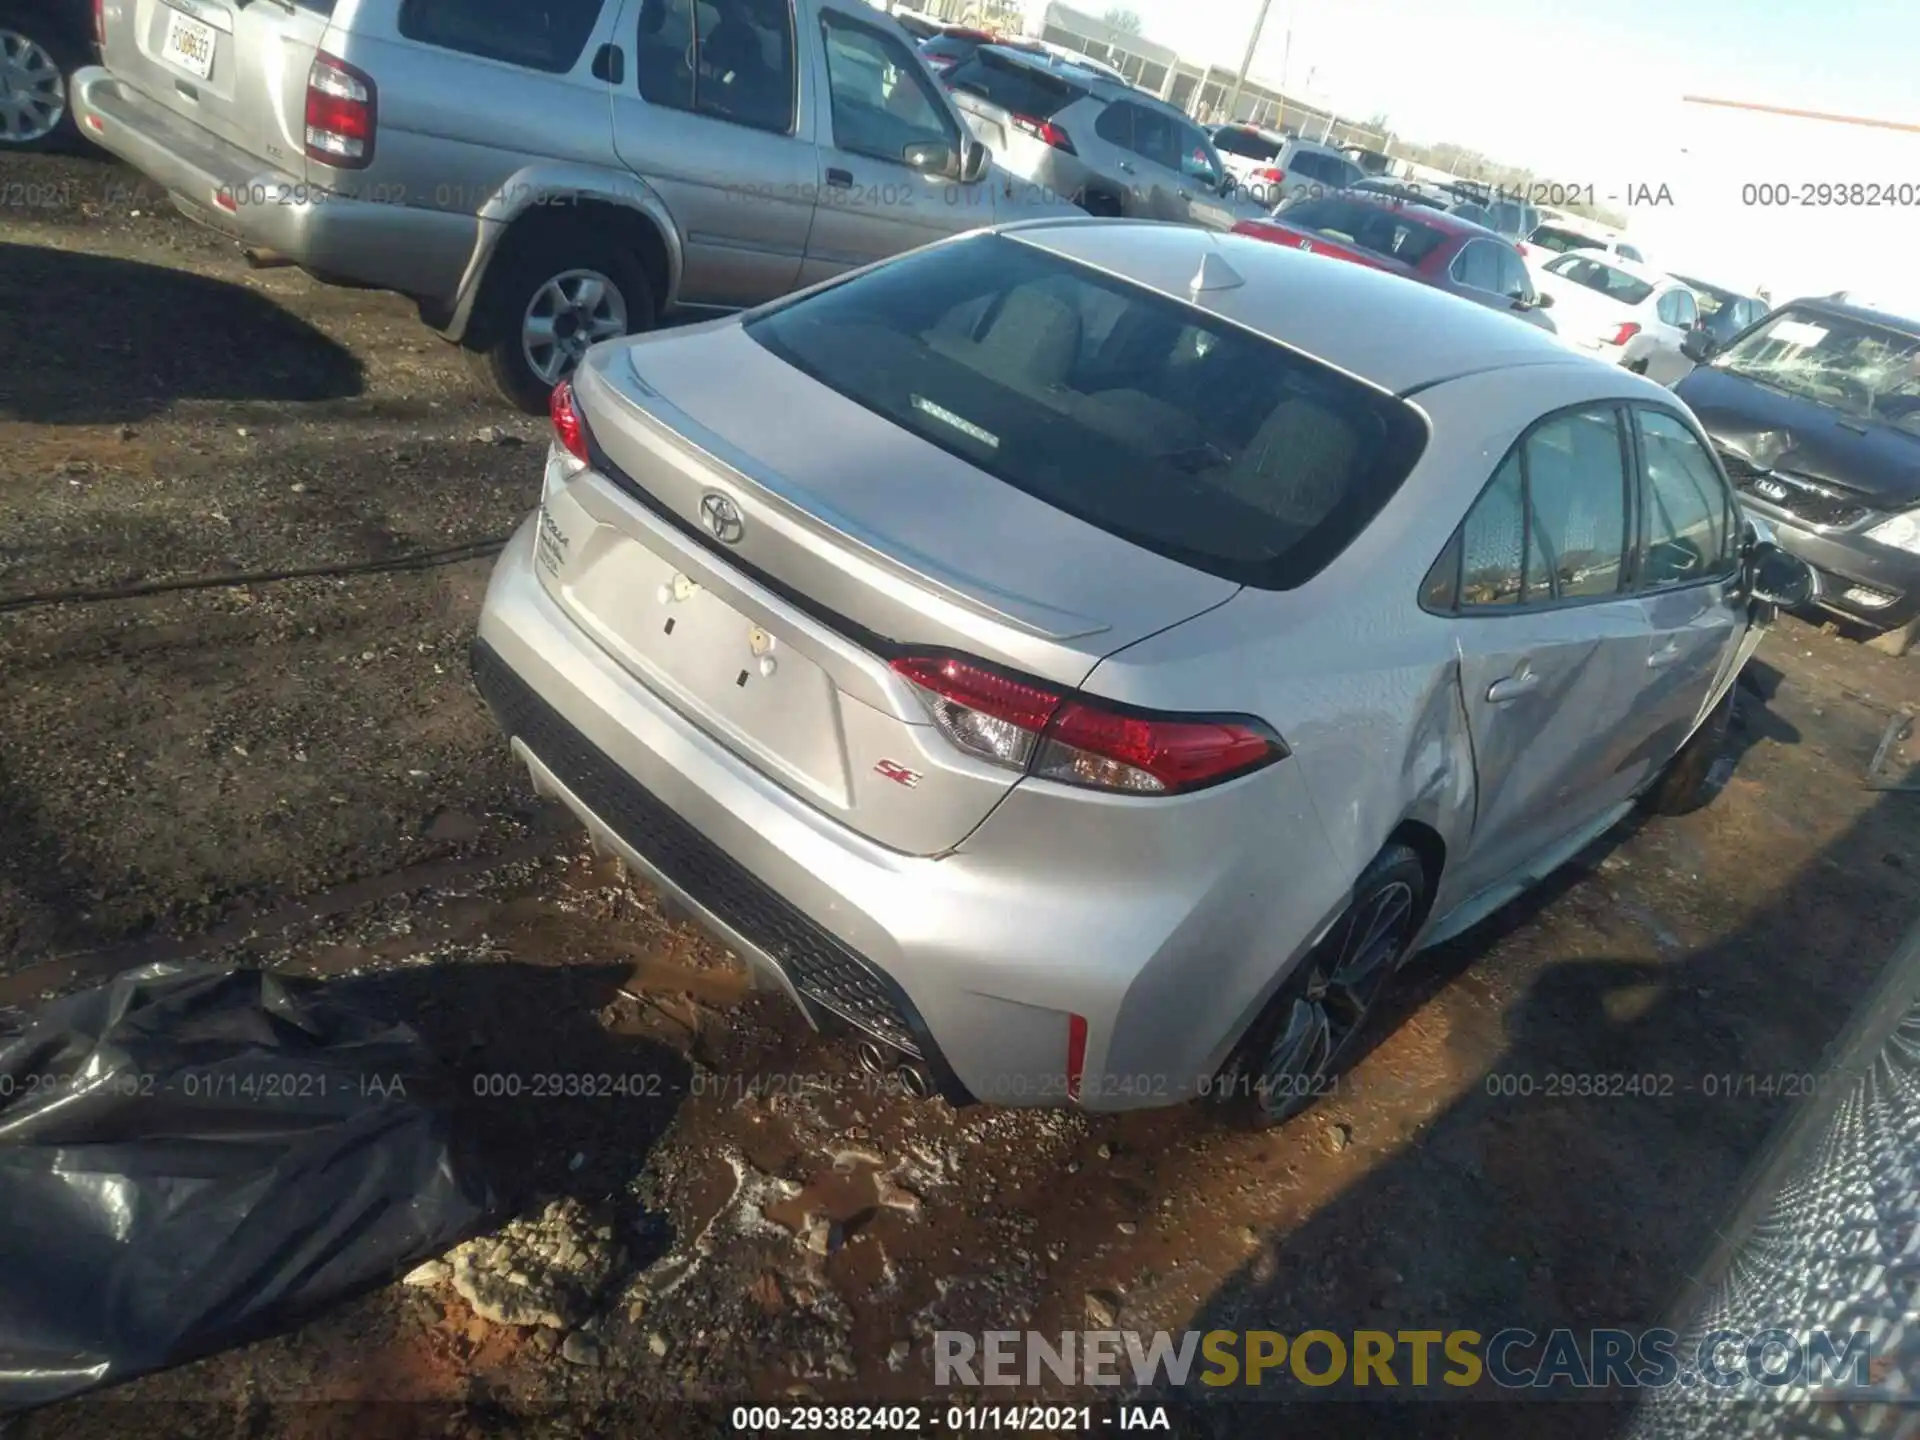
1592,1197
146,336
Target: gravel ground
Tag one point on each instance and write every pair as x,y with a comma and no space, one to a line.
297,773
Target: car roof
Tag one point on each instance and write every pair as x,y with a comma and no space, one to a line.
1841,309
1398,336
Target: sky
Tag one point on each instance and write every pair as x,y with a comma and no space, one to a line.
1592,96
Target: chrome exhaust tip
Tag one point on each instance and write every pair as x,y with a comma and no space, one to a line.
914,1081
872,1058
258,258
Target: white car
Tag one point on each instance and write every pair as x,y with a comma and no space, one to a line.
1623,312
1560,237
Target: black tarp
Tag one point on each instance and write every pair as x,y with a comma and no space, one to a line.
192,1157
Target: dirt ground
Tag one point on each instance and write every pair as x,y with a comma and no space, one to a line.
297,773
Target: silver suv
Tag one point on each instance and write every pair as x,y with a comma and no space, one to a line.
1077,136
542,174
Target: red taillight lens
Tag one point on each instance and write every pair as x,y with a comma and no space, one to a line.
569,430
1045,131
1625,333
1024,726
1272,174
340,114
100,22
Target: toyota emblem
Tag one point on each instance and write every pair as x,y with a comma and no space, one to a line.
721,516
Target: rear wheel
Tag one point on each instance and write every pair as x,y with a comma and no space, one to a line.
551,298
1311,1030
36,111
1098,202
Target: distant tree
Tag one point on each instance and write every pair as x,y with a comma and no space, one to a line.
1122,19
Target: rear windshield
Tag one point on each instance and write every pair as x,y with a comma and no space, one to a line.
1246,144
1614,284
948,47
1178,432
1552,237
1012,85
1378,228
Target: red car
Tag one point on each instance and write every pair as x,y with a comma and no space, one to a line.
1414,241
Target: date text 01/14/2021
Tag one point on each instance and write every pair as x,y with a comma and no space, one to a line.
946,1419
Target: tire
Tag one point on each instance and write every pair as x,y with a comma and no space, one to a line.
1896,641
37,57
1098,202
1638,367
1686,784
538,278
1291,1056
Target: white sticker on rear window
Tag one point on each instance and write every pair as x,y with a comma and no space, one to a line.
1797,332
947,417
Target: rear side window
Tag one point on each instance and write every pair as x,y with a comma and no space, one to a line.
1012,86
537,34
1478,266
1128,409
732,61
1514,282
1551,525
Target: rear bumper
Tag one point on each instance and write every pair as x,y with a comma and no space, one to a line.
978,958
415,251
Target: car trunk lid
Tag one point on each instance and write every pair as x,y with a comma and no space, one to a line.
237,68
818,536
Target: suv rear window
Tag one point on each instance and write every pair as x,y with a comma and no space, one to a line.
1552,237
1246,144
1015,87
538,34
1136,413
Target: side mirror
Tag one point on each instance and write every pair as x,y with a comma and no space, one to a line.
1779,578
930,157
1697,345
975,163
1543,301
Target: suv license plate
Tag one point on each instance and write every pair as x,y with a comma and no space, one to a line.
189,44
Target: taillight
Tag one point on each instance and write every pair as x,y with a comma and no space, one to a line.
1625,333
569,430
1045,130
1272,174
100,22
1081,741
340,114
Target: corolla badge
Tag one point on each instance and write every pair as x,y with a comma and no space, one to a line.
722,517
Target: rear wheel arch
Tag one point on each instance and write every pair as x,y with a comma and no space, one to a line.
541,225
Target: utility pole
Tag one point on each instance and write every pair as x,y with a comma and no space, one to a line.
1246,61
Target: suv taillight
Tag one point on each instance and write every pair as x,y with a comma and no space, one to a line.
340,114
1625,333
1272,174
1079,740
100,23
1045,130
569,429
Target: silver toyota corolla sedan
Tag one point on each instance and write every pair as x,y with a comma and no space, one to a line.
1087,657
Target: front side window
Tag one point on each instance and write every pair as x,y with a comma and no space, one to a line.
1689,520
881,102
1131,410
728,59
1477,266
1514,281
1156,138
1551,525
1199,161
544,35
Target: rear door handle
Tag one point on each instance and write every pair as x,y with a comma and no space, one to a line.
840,179
1521,682
1664,656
